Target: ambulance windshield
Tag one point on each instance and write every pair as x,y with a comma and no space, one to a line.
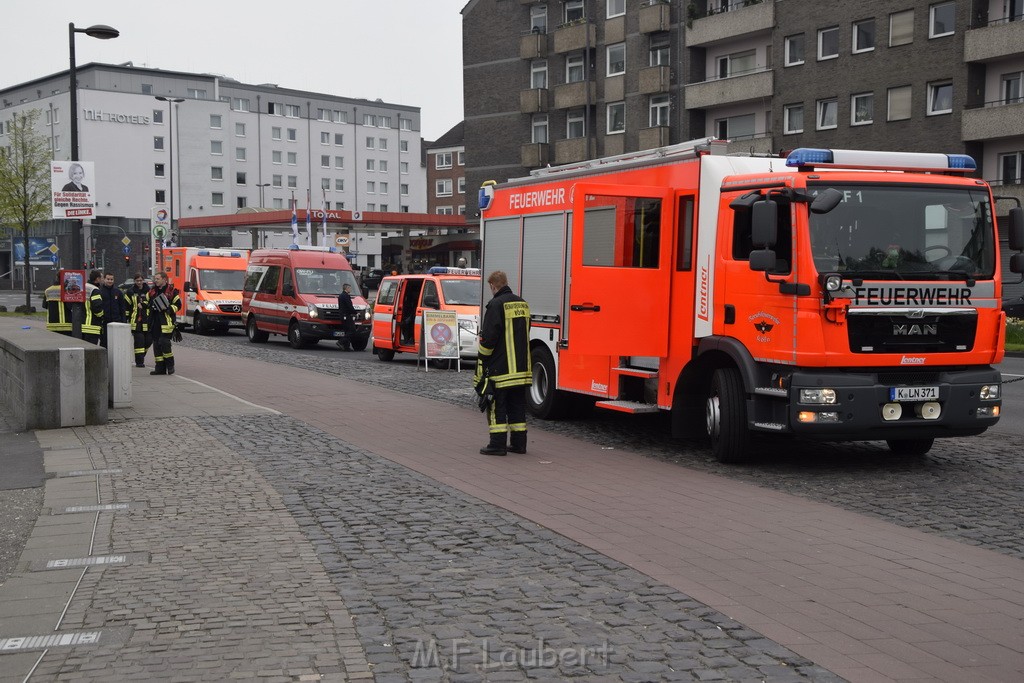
905,232
223,280
324,281
461,292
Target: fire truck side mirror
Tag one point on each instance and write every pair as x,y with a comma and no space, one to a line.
189,287
827,200
763,260
1016,229
764,226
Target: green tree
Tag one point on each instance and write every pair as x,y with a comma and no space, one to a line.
25,180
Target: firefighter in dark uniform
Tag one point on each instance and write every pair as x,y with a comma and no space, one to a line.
92,327
503,367
348,317
164,304
138,318
58,315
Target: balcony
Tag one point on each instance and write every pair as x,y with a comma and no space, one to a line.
533,101
650,138
655,79
732,90
573,95
993,121
997,40
533,46
574,150
741,19
574,37
535,155
655,15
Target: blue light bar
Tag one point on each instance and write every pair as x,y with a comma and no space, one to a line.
873,159
294,247
807,156
204,252
438,270
962,161
486,195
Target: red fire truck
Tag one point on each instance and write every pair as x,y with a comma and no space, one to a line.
830,294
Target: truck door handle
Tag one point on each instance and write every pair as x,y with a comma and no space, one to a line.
585,307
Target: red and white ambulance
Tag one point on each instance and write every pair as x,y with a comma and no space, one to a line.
210,283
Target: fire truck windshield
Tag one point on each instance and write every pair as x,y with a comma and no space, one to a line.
224,280
327,281
461,292
910,232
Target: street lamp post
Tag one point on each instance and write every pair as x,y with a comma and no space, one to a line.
170,155
256,231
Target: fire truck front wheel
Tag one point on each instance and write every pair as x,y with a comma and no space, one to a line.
910,448
199,323
255,335
384,354
295,337
727,416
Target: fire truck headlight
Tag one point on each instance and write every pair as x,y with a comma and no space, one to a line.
818,396
989,392
313,311
833,282
209,306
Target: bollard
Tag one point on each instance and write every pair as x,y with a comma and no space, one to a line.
120,355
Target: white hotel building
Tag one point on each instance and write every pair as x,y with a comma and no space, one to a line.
229,145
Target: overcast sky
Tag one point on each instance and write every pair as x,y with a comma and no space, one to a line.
401,51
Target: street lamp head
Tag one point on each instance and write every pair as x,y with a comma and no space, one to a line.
169,99
101,31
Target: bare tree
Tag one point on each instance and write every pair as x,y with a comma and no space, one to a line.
25,182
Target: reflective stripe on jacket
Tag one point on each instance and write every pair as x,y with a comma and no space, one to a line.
58,317
93,310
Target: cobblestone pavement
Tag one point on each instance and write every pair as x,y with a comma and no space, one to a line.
965,489
444,587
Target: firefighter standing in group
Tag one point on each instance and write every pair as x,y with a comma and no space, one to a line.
164,304
503,367
58,315
92,327
138,318
348,317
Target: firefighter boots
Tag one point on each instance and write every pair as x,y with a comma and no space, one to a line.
517,442
170,365
160,369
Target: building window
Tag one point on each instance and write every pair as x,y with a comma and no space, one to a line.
404,124
292,111
196,93
574,68
339,116
217,199
275,157
215,121
371,165
383,188
159,197
240,104
460,158
1011,87
339,184
275,132
240,178
325,138
659,54
862,109
827,113
276,180
445,211
384,122
403,167
216,173
370,206
793,118
539,129
277,203
539,73
293,135
158,170
240,130
339,162
323,114
239,153
382,144
573,11
616,8
382,165
443,188
325,161
737,64
942,20
443,160
864,36
293,158
403,189
158,116
325,183
901,28
339,139
940,98
158,142
462,186
216,147
241,202
369,120
371,143
539,19
1010,168
293,181
403,145
828,43
371,187
794,50
659,109
899,103
575,125
147,89
616,116
735,127
616,55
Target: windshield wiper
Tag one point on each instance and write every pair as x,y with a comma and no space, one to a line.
861,274
963,275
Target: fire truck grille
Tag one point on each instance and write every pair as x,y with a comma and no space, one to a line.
231,308
330,314
900,333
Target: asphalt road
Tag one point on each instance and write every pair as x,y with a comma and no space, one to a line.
967,488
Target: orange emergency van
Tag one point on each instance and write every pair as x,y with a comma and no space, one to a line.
829,294
210,283
294,292
401,299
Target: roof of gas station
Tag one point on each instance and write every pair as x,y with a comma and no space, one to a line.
353,220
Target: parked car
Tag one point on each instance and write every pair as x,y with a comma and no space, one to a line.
1014,306
372,278
130,282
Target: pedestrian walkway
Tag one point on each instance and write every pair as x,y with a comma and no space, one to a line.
199,537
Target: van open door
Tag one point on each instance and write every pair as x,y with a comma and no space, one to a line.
621,265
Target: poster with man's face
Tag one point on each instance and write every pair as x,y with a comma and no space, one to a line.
73,187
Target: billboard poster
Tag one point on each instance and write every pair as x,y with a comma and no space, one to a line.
73,188
72,286
441,334
41,251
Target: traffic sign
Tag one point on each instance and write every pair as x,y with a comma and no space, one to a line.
125,241
127,250
53,248
159,232
54,258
